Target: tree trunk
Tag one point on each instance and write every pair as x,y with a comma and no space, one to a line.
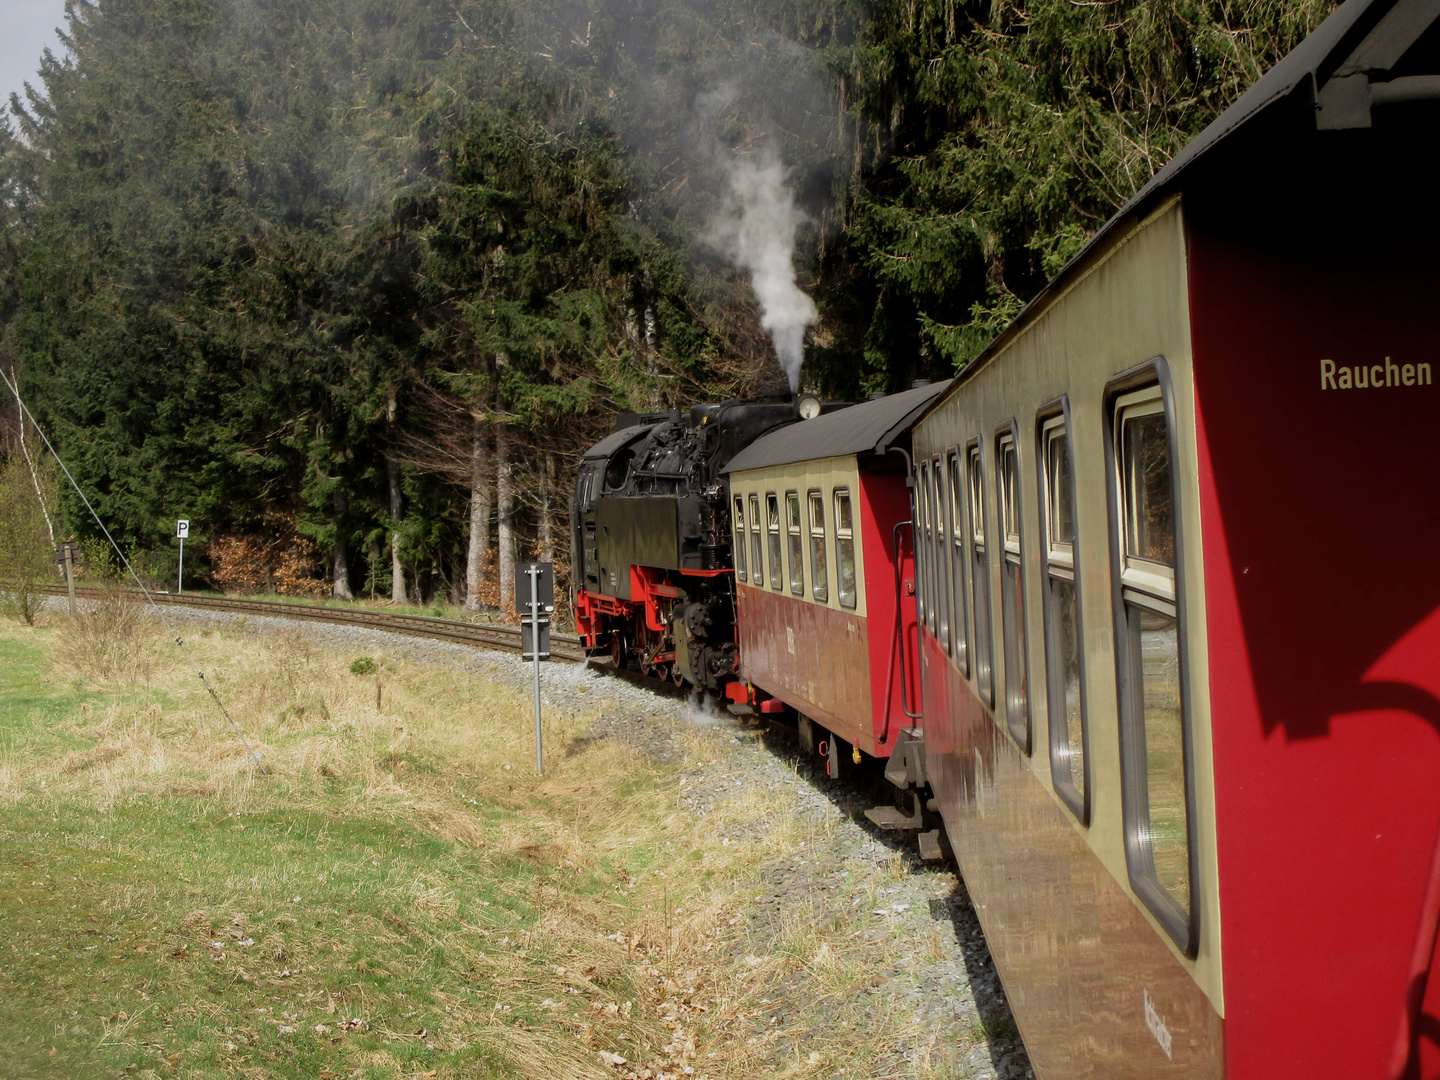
397,570
29,461
547,533
505,497
372,556
340,557
478,553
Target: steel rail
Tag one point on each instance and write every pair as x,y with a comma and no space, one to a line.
479,635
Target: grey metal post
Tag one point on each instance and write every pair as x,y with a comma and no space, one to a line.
180,579
534,572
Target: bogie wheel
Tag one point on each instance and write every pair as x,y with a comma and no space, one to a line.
618,649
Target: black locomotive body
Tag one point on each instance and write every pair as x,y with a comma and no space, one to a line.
651,534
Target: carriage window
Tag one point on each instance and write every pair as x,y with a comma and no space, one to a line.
940,581
979,574
819,572
1012,595
772,517
1153,724
1062,622
797,543
1150,516
739,521
844,549
757,546
956,546
922,546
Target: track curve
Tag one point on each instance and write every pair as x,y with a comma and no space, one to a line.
480,635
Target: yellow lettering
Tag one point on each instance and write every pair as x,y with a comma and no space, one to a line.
1327,374
1407,374
1362,377
1422,374
1344,383
1376,374
1392,373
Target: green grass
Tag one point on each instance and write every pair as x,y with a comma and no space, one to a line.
153,923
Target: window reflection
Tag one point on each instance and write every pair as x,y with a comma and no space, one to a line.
1062,623
979,575
1066,718
797,543
820,586
739,521
757,546
772,513
1151,525
844,549
1164,834
1012,599
1152,721
1062,513
957,562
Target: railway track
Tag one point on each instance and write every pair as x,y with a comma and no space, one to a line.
480,635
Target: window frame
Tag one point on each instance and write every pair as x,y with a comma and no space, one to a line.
1182,925
740,558
772,534
977,539
956,561
920,515
840,535
795,537
1063,565
1010,503
757,543
819,582
940,592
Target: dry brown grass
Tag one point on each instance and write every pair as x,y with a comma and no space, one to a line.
639,950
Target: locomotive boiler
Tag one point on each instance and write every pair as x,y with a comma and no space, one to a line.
651,534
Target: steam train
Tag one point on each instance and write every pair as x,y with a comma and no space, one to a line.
1145,602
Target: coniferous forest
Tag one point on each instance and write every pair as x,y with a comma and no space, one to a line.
350,283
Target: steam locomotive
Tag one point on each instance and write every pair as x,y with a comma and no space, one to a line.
651,536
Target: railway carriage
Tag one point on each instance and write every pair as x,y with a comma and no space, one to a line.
826,626
1180,613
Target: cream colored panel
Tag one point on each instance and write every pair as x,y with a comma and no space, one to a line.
1130,307
825,474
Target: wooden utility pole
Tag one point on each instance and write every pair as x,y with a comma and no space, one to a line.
67,554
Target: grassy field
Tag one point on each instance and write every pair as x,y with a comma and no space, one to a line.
397,896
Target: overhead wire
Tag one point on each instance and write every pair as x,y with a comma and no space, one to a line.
159,611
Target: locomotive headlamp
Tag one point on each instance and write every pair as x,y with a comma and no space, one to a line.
807,406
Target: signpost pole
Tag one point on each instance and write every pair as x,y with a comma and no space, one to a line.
182,530
69,550
534,572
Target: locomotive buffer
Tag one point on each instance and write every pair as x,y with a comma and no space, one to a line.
534,602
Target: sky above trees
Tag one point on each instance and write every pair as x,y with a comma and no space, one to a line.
29,29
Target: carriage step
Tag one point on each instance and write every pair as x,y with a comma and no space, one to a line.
740,709
890,817
930,847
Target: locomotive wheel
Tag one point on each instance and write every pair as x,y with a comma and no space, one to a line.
618,649
677,676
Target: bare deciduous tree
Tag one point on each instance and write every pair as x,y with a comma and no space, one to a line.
26,554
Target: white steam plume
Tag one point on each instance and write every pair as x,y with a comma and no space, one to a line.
756,229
